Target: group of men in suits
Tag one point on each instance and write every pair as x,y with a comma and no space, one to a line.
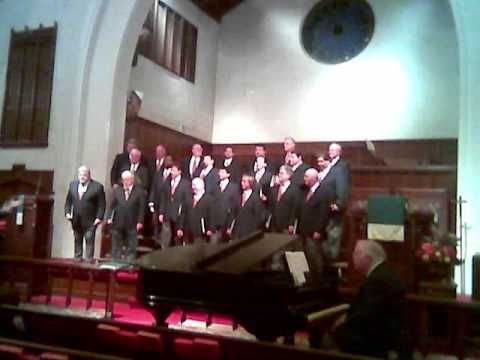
195,200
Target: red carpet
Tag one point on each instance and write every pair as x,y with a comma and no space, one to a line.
131,312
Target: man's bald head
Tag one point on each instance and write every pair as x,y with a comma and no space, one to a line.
310,177
366,254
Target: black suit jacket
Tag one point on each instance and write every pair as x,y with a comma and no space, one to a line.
225,203
157,189
264,183
121,163
283,211
152,168
338,180
89,208
234,169
186,168
173,205
142,176
126,214
248,218
313,213
374,322
191,219
211,181
297,177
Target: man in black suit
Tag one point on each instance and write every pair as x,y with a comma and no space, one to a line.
197,222
260,152
298,168
248,215
176,195
192,166
126,214
157,190
84,208
312,221
374,323
232,164
227,198
289,147
158,163
209,175
337,178
263,178
139,170
121,161
283,202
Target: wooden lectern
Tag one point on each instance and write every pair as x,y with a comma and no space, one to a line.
28,229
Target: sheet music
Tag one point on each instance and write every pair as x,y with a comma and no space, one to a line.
298,266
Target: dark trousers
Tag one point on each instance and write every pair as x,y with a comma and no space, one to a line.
119,238
88,234
315,259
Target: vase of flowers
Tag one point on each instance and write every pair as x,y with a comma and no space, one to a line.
437,257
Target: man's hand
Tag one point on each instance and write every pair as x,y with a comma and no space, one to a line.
97,221
151,207
334,207
316,236
209,233
291,229
115,186
139,227
179,233
69,216
229,232
263,198
109,221
160,218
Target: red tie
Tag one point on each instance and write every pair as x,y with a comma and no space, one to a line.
309,194
174,187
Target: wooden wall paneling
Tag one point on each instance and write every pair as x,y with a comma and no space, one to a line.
150,134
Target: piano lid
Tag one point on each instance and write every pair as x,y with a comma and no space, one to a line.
235,257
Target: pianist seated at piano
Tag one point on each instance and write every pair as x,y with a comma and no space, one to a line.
373,325
197,222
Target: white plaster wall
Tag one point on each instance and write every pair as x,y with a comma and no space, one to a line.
172,101
466,14
76,21
404,85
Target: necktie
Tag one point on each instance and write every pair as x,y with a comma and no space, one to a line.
127,194
244,199
81,191
194,166
280,193
159,164
174,187
309,194
165,174
133,168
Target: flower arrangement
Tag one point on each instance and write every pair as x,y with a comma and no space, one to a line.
439,248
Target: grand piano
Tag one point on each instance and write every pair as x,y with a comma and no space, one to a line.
231,279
